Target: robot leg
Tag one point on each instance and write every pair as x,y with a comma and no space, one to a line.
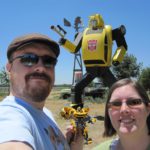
78,89
108,78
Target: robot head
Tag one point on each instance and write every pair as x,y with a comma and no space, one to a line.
96,21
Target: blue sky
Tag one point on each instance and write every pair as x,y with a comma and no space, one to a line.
19,17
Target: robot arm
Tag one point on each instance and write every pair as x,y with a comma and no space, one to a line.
72,47
118,36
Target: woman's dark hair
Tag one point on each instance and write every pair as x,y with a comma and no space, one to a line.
108,128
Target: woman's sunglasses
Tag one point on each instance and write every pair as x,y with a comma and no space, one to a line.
30,60
132,103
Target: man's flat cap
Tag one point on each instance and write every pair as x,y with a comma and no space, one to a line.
29,38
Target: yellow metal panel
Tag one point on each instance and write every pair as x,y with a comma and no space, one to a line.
119,55
69,46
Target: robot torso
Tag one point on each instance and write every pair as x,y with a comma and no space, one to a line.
97,47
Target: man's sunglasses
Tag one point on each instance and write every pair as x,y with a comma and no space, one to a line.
30,60
132,103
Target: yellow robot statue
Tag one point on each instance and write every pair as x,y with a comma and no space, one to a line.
96,43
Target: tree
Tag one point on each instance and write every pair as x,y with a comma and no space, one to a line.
128,68
144,78
4,80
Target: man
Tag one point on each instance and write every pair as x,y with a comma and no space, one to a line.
25,124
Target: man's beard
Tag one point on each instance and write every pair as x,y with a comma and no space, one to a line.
40,92
28,91
37,94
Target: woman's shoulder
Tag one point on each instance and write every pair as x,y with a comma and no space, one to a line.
103,146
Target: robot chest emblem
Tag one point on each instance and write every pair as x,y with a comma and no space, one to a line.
92,44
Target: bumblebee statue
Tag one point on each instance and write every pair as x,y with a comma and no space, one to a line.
79,118
96,43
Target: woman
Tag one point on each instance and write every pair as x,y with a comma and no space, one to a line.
127,114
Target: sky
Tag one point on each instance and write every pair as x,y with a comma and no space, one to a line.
18,17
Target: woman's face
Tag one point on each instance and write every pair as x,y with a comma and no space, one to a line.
129,114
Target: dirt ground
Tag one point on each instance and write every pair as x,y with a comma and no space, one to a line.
95,130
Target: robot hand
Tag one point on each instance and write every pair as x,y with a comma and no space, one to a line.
115,63
123,29
62,41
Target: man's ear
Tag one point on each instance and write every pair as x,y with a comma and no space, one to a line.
8,67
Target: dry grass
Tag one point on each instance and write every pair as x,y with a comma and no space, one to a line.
95,130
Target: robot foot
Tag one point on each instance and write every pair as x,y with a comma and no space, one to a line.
88,141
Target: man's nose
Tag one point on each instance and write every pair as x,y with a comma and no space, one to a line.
40,66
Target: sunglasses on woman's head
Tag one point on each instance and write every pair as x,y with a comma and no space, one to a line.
30,60
132,103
